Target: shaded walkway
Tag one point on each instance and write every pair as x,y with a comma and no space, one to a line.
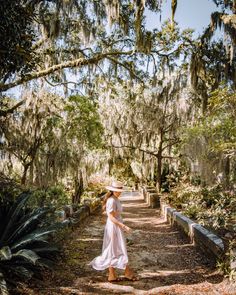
158,253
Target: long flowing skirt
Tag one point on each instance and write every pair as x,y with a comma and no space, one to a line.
114,251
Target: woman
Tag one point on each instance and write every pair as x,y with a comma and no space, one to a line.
114,252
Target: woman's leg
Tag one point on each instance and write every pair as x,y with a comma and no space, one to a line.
129,273
112,274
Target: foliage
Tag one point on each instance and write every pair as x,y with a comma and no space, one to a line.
224,265
226,19
142,123
55,196
96,187
210,141
47,139
17,36
213,61
75,35
24,237
170,177
222,111
210,66
83,120
210,206
9,188
26,131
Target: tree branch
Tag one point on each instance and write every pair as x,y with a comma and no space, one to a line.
38,44
69,64
169,157
126,67
136,148
62,83
171,143
4,113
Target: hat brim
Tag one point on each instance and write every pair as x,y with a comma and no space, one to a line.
111,188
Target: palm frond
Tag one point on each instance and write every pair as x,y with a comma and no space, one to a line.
24,236
38,235
28,255
28,224
5,253
22,272
13,215
3,285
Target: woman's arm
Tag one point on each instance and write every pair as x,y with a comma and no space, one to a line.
111,215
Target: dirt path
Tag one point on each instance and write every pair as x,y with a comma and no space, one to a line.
165,261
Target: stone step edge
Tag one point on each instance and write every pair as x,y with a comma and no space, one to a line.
88,208
202,238
199,235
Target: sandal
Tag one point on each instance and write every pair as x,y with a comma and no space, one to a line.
133,278
114,280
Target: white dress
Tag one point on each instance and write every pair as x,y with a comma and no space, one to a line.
114,252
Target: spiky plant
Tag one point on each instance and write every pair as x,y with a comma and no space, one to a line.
25,247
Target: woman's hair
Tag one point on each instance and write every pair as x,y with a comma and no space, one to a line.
107,196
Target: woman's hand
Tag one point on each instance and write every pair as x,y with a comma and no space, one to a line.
127,229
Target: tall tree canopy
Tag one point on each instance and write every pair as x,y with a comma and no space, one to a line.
106,43
17,36
74,34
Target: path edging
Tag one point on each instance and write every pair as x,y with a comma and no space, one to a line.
205,240
199,235
151,197
89,207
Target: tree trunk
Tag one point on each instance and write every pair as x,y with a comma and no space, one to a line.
159,161
47,173
204,102
31,174
23,179
159,169
79,188
227,173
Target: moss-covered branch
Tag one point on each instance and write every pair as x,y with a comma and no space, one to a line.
77,63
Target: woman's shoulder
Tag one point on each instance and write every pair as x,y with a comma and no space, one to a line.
111,200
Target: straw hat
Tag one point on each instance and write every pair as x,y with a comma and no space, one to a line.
116,186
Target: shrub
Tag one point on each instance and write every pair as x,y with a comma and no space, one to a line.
25,239
52,196
210,206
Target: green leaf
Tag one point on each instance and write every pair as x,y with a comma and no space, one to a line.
29,255
14,214
22,272
3,285
5,253
38,235
35,236
30,223
46,250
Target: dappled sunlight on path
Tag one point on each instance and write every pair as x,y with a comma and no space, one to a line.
164,260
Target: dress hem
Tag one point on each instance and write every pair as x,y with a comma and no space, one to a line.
99,269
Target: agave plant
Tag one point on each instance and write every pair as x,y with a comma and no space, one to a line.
25,240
